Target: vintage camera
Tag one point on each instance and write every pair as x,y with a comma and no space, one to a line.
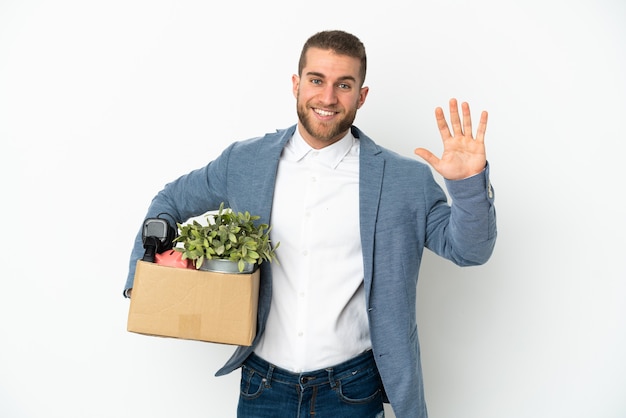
158,235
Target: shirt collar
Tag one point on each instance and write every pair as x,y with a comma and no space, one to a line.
331,155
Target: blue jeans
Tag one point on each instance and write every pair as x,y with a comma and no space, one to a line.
348,390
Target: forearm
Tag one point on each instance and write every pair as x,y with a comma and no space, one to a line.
190,195
472,224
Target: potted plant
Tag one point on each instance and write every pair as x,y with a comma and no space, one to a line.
230,238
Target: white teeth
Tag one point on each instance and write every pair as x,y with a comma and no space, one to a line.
324,112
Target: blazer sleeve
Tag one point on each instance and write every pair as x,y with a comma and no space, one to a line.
469,235
190,195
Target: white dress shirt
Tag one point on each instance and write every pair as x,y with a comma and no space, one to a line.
317,317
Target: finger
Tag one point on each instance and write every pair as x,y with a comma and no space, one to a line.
482,127
441,123
427,155
455,119
467,119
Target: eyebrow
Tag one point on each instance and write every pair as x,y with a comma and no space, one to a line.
320,75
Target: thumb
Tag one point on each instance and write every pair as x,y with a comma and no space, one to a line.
427,155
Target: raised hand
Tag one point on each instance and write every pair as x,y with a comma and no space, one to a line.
463,155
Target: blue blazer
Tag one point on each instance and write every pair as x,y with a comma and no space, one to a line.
402,211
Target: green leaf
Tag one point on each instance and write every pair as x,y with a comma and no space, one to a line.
226,234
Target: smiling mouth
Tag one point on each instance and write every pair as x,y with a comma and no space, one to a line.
322,112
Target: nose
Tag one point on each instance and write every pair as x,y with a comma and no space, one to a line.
328,95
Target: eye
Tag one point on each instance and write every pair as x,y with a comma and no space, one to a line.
316,81
344,86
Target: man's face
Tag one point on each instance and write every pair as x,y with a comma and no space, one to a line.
328,96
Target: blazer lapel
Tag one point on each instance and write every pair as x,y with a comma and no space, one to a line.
265,169
371,170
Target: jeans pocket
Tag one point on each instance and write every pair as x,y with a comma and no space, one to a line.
361,386
252,383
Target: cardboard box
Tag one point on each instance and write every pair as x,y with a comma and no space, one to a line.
194,305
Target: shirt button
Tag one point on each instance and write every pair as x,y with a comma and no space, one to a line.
300,334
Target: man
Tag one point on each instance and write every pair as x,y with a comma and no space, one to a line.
337,332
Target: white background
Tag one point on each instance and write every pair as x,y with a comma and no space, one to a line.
103,102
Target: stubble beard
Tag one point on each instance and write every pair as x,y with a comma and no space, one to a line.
324,131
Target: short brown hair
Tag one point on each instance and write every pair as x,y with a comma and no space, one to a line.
340,42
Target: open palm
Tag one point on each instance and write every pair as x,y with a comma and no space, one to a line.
463,155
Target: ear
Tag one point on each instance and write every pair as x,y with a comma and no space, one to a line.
295,81
362,96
